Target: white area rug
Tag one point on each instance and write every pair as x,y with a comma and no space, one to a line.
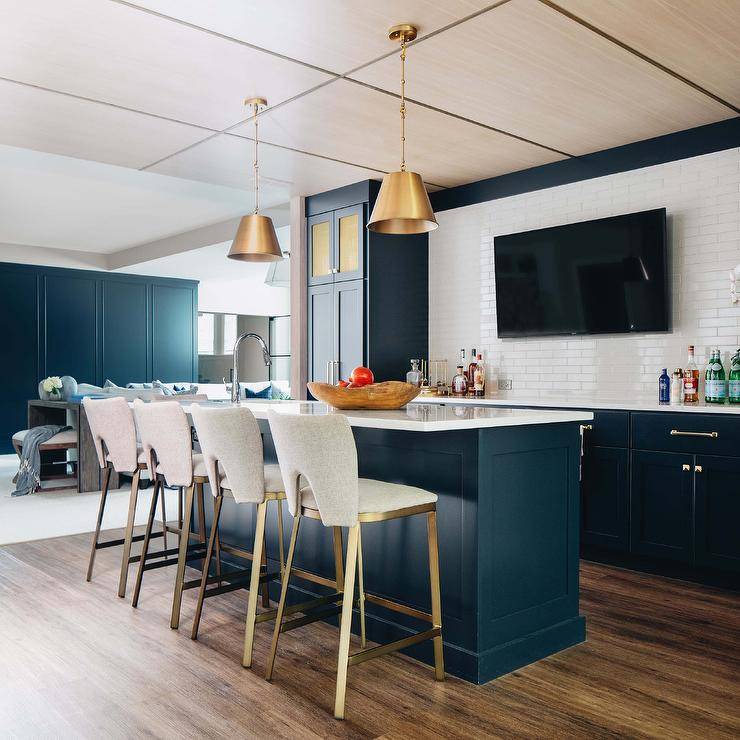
39,516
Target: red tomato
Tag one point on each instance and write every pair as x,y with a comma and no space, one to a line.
361,376
342,383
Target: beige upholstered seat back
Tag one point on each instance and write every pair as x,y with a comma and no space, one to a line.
322,450
112,427
165,431
231,438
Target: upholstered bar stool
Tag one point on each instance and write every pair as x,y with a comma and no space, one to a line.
114,437
231,445
318,461
166,441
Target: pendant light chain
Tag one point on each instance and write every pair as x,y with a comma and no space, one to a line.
403,104
256,163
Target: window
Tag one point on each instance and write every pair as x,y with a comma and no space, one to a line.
280,347
206,334
230,333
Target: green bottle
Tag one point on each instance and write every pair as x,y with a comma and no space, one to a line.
714,379
735,378
709,380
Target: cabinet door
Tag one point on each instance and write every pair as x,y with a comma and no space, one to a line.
605,497
349,326
72,327
320,249
717,522
20,373
661,505
349,240
125,331
173,334
320,331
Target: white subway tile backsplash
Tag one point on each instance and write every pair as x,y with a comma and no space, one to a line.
702,197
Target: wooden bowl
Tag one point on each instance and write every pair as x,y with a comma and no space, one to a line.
389,395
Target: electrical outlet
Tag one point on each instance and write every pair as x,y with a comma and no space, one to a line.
505,384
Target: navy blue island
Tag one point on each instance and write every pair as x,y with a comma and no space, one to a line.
508,518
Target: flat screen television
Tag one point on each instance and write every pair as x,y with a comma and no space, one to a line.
606,276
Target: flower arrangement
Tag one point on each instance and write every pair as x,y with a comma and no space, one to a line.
53,386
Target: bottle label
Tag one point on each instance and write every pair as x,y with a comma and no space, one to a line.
735,389
719,389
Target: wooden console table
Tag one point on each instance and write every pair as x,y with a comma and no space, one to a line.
88,467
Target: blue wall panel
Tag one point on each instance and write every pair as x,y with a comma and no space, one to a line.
125,332
173,346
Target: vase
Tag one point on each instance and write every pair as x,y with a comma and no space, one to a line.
43,395
69,387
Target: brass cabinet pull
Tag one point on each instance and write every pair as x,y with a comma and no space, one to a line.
587,427
698,469
677,433
686,468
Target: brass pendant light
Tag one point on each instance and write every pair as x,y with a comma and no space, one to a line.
403,205
255,239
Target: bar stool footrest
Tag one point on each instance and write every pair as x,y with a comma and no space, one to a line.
301,608
391,647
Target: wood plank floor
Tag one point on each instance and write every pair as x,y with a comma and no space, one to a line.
662,660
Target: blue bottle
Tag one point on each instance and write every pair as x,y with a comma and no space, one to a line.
664,387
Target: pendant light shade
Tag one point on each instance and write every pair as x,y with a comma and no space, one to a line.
403,205
255,239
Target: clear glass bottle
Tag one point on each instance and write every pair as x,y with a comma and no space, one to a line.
479,379
413,376
677,387
691,379
734,390
471,372
459,382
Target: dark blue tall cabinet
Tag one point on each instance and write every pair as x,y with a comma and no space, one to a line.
93,326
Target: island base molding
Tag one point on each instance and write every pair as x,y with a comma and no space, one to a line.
508,515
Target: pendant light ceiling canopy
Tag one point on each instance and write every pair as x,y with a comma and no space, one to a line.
256,240
403,205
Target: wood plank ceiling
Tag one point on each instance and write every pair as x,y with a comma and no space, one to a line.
157,85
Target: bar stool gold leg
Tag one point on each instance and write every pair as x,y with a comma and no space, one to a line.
345,629
217,545
439,666
133,498
281,543
361,585
162,493
254,581
283,597
101,511
338,559
262,569
182,558
145,545
218,501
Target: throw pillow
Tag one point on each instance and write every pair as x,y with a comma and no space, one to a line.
266,393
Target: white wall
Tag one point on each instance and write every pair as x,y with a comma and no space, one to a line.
70,258
252,298
702,198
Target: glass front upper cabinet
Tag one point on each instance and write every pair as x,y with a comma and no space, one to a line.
336,245
321,249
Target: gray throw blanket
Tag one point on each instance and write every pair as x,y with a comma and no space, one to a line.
29,473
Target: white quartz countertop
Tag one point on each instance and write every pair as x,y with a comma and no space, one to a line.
417,417
579,401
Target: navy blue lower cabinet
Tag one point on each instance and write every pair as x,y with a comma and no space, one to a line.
661,505
605,497
717,505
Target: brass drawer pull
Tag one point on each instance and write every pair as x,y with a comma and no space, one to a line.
698,469
686,468
587,427
677,433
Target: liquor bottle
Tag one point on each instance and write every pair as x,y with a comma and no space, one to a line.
459,382
677,387
413,376
734,394
479,381
691,379
471,372
664,387
462,362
